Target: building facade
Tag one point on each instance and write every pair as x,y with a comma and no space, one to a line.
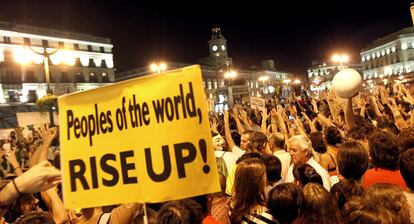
77,62
320,75
391,56
222,91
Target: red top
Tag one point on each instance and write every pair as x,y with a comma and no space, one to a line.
380,175
210,220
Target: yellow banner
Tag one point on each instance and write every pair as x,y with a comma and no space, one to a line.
142,140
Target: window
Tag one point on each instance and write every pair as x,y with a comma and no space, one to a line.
91,62
11,78
93,77
78,62
45,43
7,40
89,48
102,49
52,77
95,48
65,77
215,84
103,64
76,46
209,84
26,41
8,55
30,77
61,44
105,77
80,78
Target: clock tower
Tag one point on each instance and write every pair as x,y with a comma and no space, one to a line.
218,50
217,43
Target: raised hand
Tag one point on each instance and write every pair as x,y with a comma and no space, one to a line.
11,157
47,134
39,178
213,124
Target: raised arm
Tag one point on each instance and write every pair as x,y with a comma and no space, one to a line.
47,134
375,105
55,205
273,120
227,132
245,119
325,121
310,123
11,158
240,127
38,178
349,115
399,120
281,122
263,127
299,127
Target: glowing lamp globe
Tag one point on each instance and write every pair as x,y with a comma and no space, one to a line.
346,83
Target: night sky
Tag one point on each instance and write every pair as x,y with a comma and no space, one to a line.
293,33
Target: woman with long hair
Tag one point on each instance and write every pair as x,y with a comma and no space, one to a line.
319,206
248,203
391,197
328,160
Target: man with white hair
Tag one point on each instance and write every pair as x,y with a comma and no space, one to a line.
300,148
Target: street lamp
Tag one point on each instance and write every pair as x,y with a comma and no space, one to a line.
297,81
46,58
158,67
230,75
48,98
263,78
341,58
286,81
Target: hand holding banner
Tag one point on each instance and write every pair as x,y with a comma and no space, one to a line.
142,140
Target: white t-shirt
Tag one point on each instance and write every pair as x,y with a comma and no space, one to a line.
237,151
284,158
228,157
326,179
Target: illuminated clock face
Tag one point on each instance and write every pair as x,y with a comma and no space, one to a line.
214,48
223,47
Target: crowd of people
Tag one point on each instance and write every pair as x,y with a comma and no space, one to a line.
305,159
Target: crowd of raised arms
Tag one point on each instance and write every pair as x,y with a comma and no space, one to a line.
306,159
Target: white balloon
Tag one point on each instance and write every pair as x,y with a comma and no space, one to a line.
346,83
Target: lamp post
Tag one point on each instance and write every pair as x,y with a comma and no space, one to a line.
263,79
46,58
341,58
158,67
230,74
